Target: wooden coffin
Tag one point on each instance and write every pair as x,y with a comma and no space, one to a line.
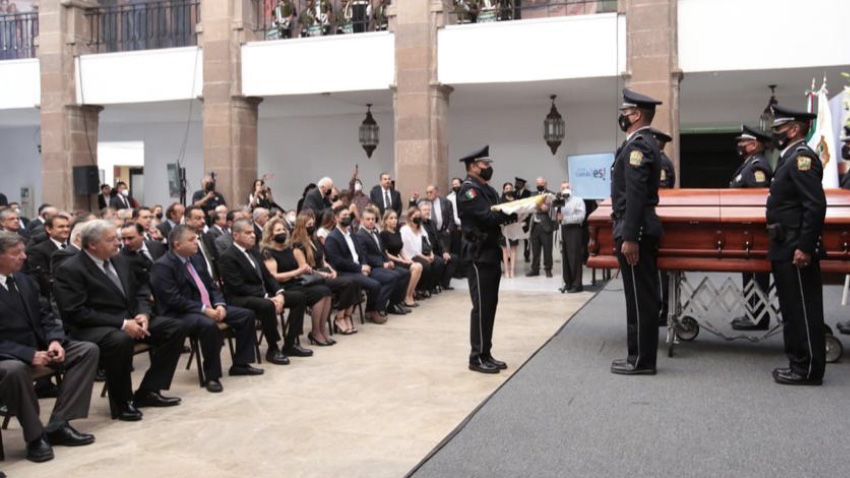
721,230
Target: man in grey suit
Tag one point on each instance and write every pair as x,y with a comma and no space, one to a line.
542,228
32,337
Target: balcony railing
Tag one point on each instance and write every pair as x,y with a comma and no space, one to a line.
308,18
483,11
17,32
144,26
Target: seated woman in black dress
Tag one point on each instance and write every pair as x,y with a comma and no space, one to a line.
310,252
281,262
393,244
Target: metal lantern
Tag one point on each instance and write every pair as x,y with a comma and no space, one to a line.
766,118
554,128
370,133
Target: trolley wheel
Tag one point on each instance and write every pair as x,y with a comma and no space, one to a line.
834,349
688,328
829,329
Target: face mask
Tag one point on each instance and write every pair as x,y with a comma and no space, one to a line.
280,238
159,215
781,139
334,198
290,219
624,122
426,220
311,230
345,222
358,187
540,189
509,196
486,174
845,151
742,151
456,189
125,192
328,192
417,220
565,192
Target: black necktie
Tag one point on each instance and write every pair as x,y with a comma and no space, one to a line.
10,285
64,246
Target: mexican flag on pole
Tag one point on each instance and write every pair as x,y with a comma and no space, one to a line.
823,142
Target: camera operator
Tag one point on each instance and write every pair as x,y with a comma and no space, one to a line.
571,216
207,198
261,195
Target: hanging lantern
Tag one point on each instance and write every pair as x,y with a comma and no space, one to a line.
766,118
554,128
370,133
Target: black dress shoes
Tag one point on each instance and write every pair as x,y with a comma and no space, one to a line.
67,436
496,363
396,309
789,377
575,290
213,386
39,450
483,367
843,327
127,412
296,351
154,399
743,323
245,370
549,274
624,367
276,357
100,375
448,287
533,273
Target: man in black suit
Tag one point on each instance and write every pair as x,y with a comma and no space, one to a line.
143,216
101,302
31,336
173,217
74,246
105,197
206,246
248,284
317,199
141,253
393,280
121,199
444,261
219,225
384,196
346,256
521,193
38,255
542,229
14,206
182,288
37,225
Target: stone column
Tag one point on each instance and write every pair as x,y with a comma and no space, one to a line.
420,102
653,62
68,130
229,118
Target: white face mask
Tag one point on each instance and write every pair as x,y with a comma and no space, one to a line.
565,192
358,187
125,192
291,219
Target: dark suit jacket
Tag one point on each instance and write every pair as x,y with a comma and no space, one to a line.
60,256
376,195
241,279
214,232
27,323
142,265
447,220
103,201
38,264
117,202
165,228
439,245
315,202
339,255
174,289
36,225
223,243
371,253
87,298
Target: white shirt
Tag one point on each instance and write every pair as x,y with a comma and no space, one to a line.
3,282
453,199
412,241
57,243
322,233
437,213
387,198
573,211
351,246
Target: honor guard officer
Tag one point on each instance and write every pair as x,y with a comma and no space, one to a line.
637,229
667,180
796,208
482,253
845,155
754,172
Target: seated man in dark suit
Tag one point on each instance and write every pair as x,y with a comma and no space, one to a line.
38,255
224,241
31,336
206,246
344,255
74,246
37,225
11,221
101,302
173,216
141,253
250,285
383,269
444,260
183,289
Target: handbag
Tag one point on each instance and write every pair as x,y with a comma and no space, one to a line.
310,279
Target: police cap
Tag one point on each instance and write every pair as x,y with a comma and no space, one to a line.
520,180
661,135
482,154
753,134
782,115
637,100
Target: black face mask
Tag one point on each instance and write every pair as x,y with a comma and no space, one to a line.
781,139
417,220
346,221
845,151
456,189
486,174
624,123
328,192
334,198
540,189
311,230
509,196
159,215
280,238
742,152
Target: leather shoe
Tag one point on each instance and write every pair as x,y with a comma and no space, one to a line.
100,375
533,274
39,450
245,370
276,357
377,318
789,377
67,436
496,363
154,399
296,351
620,362
549,274
629,368
395,310
127,412
575,290
448,287
843,327
213,386
745,324
483,367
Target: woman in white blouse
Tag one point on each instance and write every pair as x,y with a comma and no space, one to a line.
418,248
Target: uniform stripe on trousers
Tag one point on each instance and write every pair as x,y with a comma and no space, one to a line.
806,318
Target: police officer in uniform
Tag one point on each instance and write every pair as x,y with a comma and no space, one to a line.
482,254
667,180
796,208
637,229
754,172
845,155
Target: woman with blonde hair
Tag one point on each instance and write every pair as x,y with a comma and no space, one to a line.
391,237
418,249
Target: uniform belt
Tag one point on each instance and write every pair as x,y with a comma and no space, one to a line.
569,226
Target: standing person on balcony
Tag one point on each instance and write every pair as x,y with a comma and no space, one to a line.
382,20
284,18
466,11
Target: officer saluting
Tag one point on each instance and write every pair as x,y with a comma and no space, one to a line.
796,208
754,172
637,229
481,251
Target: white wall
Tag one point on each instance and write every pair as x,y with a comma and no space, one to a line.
119,153
140,76
716,35
365,61
20,162
20,84
582,46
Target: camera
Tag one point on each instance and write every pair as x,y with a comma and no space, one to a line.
560,199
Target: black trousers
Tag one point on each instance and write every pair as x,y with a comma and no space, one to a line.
800,294
540,239
296,302
264,311
393,284
665,296
456,249
431,274
572,251
449,269
205,329
373,288
483,278
756,306
640,286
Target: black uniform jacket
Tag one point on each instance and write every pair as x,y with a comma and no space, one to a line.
634,187
479,223
754,172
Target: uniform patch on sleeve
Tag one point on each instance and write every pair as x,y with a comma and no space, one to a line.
663,175
804,163
470,194
635,158
760,177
